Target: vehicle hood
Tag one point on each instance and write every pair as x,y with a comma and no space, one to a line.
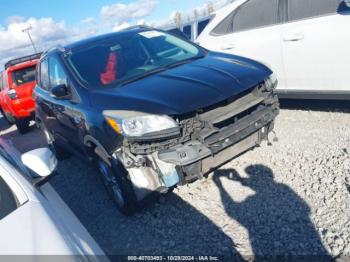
186,88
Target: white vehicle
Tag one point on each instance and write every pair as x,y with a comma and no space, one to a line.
305,42
34,220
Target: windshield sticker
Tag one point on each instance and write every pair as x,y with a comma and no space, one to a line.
115,48
151,34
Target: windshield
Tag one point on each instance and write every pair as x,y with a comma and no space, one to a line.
23,76
130,56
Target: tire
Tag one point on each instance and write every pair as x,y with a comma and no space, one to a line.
60,152
119,187
22,125
9,119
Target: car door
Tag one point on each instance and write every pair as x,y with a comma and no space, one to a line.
58,115
68,120
44,109
252,29
315,46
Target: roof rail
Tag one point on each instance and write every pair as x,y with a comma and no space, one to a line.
22,59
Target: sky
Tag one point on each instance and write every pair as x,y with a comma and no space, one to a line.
65,21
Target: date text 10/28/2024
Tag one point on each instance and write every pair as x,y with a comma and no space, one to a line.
173,258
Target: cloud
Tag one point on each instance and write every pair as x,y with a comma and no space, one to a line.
45,33
88,20
120,27
120,13
43,30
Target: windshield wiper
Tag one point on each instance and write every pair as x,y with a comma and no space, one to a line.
161,69
135,78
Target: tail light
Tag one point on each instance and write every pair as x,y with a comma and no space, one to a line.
12,94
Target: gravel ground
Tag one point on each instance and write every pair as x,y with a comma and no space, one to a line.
289,198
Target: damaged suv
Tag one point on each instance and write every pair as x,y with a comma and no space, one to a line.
152,110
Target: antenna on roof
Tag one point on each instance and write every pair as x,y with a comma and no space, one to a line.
27,30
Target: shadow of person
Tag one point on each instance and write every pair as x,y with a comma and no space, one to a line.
276,218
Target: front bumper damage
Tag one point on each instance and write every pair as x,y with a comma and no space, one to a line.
210,138
199,158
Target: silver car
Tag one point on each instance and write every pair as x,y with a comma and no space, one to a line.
34,220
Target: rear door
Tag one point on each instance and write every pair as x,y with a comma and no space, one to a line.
315,46
252,30
23,81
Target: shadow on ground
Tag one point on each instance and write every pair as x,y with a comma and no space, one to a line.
23,142
276,218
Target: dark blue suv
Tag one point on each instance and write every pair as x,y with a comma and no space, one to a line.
152,110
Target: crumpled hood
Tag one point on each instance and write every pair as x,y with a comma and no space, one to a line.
186,88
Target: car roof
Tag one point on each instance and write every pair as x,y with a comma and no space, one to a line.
22,65
22,61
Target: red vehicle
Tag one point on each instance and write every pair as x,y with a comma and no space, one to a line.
17,82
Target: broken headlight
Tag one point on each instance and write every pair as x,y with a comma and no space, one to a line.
138,125
270,83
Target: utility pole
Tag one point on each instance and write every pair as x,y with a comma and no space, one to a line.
27,30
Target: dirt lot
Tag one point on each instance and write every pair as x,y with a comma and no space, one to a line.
289,198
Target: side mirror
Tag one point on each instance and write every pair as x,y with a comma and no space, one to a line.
60,92
42,162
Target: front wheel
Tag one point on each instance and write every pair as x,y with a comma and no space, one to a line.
119,187
22,125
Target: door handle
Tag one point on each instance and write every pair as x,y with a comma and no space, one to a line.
293,37
227,47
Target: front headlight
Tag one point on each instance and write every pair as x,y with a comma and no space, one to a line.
141,125
271,82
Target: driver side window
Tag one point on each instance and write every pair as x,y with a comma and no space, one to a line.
44,76
56,73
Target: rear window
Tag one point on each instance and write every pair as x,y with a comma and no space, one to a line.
250,15
301,9
23,76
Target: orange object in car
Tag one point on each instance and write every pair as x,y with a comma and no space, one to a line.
110,74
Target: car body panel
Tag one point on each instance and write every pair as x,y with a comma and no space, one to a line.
42,224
